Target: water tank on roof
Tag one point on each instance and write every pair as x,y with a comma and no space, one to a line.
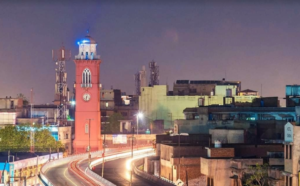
218,144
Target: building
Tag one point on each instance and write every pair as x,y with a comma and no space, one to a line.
292,95
205,87
157,104
248,92
291,151
10,110
259,123
195,160
112,101
87,85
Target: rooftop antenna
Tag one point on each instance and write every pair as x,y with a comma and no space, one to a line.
60,57
154,73
261,90
137,83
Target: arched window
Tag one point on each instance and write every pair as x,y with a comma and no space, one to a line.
86,78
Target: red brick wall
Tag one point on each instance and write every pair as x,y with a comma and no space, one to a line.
222,152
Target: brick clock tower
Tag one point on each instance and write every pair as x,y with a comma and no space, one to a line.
87,89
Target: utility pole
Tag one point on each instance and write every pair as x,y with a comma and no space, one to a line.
131,155
103,153
89,148
31,128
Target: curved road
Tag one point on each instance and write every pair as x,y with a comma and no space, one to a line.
60,176
115,171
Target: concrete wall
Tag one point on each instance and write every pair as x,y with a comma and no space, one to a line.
218,169
227,135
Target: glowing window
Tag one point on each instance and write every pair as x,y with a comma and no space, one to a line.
106,104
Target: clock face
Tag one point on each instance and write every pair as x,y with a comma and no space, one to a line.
86,97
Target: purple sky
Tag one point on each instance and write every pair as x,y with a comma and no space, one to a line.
256,43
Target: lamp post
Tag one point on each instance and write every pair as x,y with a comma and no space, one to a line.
103,153
138,115
170,114
89,148
131,154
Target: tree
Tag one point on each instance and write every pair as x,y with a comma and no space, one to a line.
114,122
17,138
43,140
257,175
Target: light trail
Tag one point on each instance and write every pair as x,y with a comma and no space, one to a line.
68,178
121,155
128,162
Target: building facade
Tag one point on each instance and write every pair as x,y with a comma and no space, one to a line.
157,104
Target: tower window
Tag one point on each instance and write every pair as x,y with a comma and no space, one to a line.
92,55
86,55
86,78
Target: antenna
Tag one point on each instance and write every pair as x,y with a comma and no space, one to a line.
60,57
261,90
137,83
154,73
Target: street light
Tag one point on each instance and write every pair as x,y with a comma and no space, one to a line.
138,115
131,154
181,134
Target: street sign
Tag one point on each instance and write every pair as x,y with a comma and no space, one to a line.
288,132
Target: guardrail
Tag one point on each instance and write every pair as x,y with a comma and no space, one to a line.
99,179
63,161
150,177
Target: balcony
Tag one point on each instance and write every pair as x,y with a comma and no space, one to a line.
86,85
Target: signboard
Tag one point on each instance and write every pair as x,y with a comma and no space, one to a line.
119,139
288,132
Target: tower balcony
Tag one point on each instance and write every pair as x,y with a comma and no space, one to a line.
86,85
87,57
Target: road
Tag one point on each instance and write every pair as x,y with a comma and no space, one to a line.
115,171
60,176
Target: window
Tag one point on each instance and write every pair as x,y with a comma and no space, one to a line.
86,55
106,104
286,151
228,92
86,78
92,55
67,136
291,151
86,128
124,113
12,105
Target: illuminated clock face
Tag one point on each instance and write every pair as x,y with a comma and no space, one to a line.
86,97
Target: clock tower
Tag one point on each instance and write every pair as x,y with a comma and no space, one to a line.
87,89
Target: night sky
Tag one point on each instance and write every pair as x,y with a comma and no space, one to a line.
256,43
